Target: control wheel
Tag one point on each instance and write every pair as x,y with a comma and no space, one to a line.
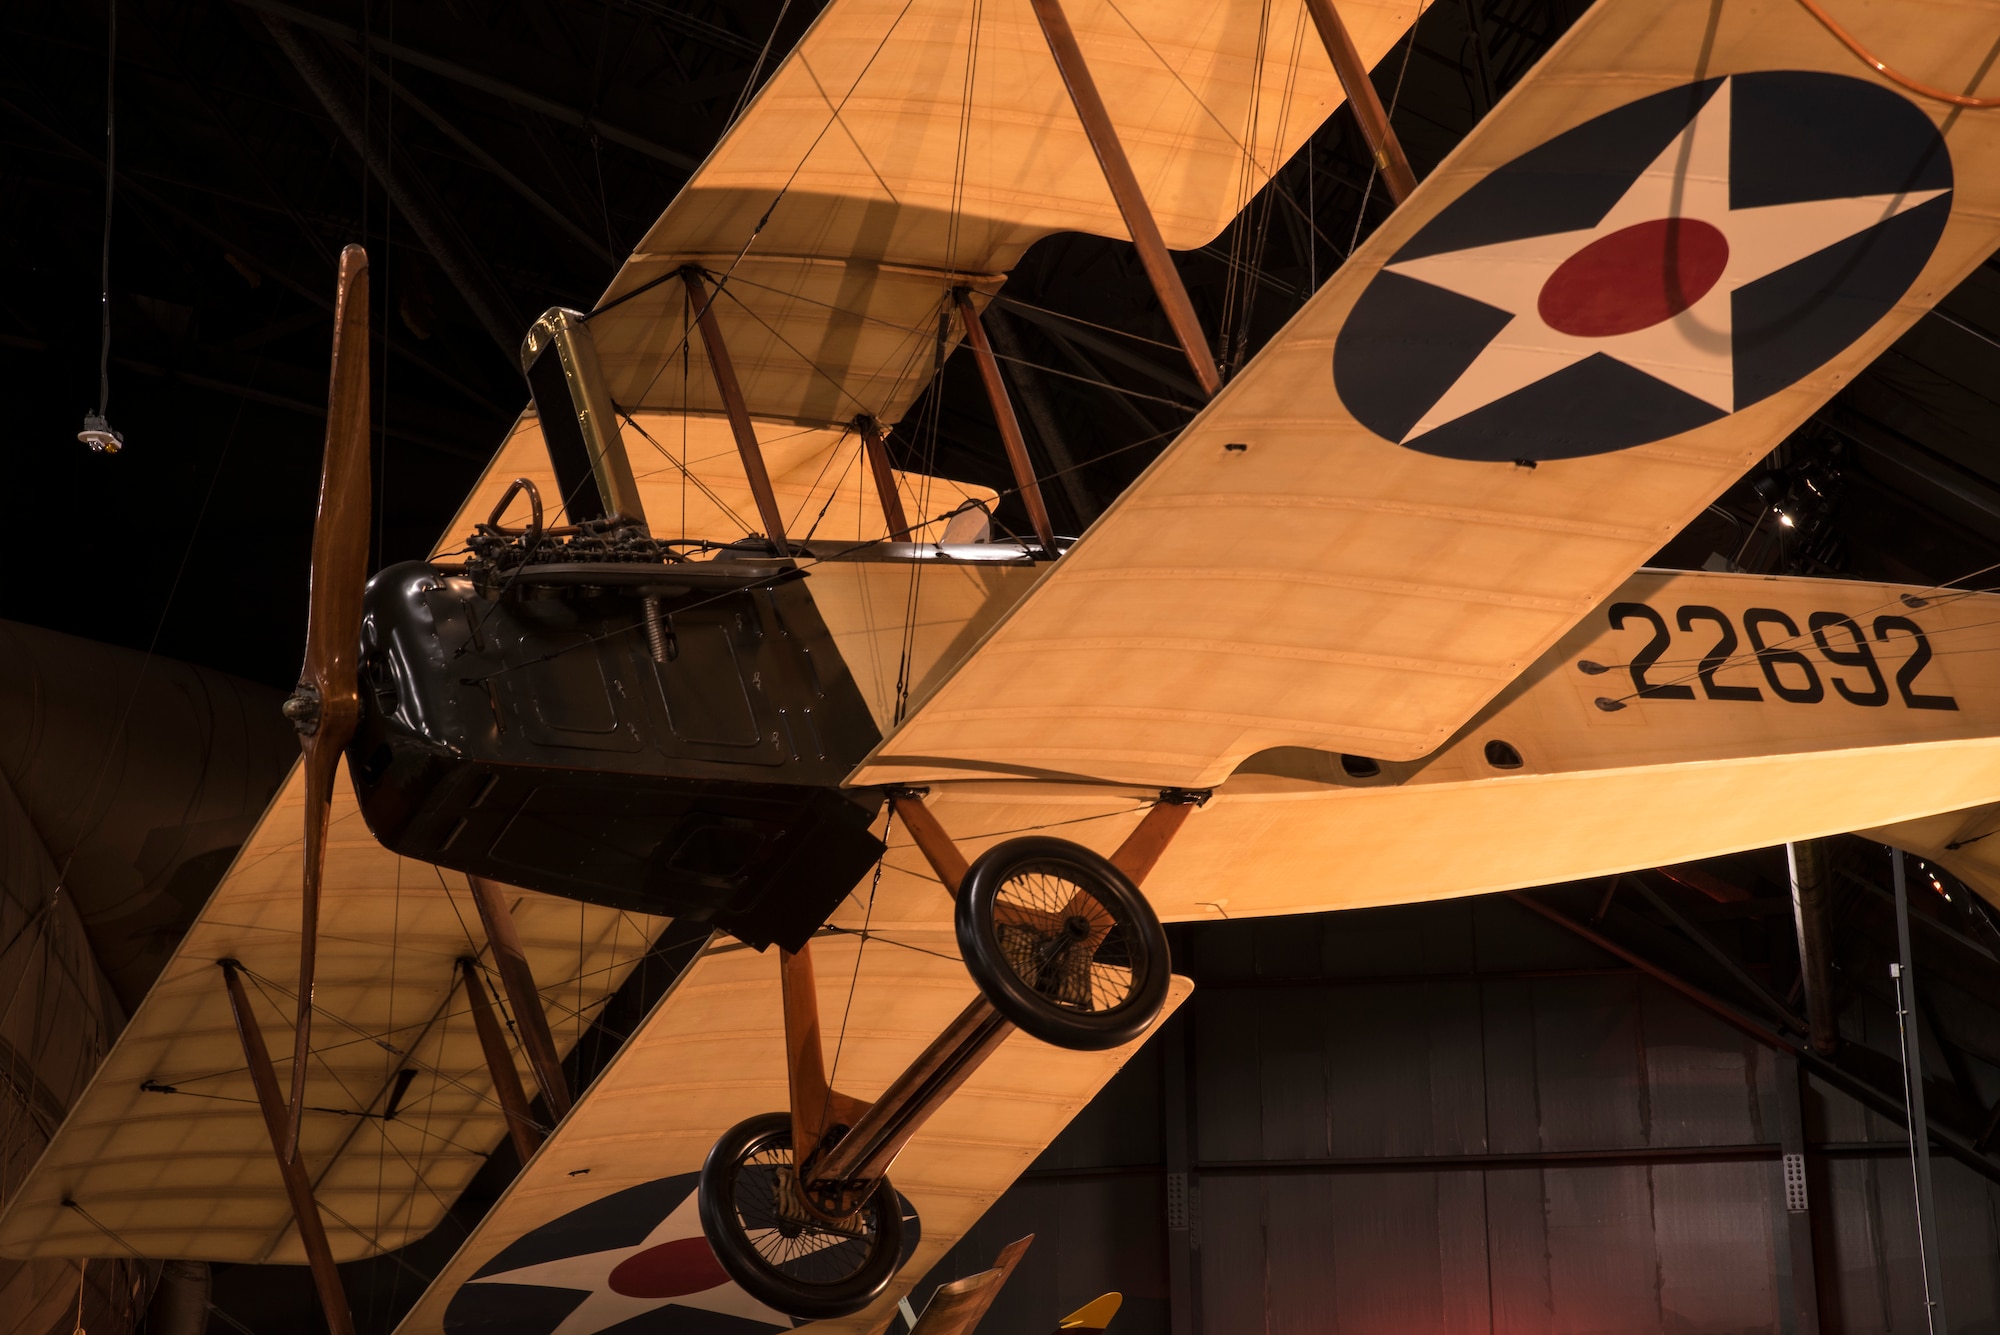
1062,943
784,1254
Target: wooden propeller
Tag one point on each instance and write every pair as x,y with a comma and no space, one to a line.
326,707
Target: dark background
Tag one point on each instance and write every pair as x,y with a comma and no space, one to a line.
539,139
546,135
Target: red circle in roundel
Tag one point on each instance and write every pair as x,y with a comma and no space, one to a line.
1634,278
685,1265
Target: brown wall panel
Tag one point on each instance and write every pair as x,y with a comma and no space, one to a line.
1340,1069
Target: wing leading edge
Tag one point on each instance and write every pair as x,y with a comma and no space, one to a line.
1342,552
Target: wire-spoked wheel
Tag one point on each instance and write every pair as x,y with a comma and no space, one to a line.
783,1254
1062,943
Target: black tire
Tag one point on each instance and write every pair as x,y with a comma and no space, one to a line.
1027,915
782,1256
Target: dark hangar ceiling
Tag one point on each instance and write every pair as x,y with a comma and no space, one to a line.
495,155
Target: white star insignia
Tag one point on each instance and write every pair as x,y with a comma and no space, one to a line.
605,1306
1649,285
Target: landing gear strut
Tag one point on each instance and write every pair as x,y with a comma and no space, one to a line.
797,1205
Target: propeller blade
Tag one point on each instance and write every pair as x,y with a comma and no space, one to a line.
1095,1314
326,708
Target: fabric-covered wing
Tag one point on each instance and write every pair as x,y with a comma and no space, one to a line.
1959,841
166,1153
907,145
1290,574
1677,776
904,148
617,1178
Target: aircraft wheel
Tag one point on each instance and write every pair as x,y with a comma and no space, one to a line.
782,1254
1062,943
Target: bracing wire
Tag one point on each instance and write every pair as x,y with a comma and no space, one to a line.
110,192
854,979
1869,58
756,70
854,548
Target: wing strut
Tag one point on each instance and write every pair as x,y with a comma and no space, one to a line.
1009,424
521,1125
731,389
1159,265
866,1137
876,444
522,994
931,840
305,1210
1366,102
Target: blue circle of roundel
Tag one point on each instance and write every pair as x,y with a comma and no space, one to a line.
1528,320
633,1262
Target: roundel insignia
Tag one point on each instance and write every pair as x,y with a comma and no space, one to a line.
1649,271
634,1262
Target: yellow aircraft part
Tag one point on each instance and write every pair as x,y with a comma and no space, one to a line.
165,1154
1696,771
1095,1314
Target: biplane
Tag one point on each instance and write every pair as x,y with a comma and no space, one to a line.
1373,628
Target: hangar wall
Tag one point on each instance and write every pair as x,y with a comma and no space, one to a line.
1454,1117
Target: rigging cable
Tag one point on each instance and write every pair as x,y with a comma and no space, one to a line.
833,118
1019,304
1228,336
380,385
756,70
864,317
1257,243
1868,58
159,627
1208,111
97,432
1388,118
934,409
854,979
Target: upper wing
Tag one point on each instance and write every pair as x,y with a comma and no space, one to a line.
903,148
909,145
166,1154
1290,572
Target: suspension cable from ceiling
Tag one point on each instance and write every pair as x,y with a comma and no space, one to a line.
97,432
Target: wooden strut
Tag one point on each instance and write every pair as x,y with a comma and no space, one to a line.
873,1134
1366,102
816,1108
1010,425
1135,857
930,838
731,389
876,445
305,1210
526,999
521,1125
1125,190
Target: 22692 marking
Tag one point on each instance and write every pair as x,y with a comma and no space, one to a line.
1778,647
